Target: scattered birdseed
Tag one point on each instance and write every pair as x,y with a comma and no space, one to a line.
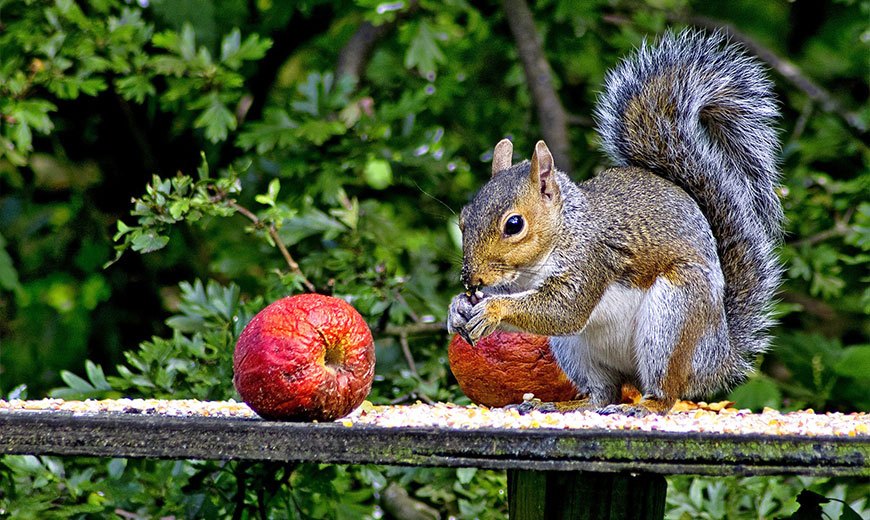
173,408
687,417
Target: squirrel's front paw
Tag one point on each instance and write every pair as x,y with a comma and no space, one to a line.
485,318
458,314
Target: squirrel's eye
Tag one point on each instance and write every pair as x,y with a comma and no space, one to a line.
513,225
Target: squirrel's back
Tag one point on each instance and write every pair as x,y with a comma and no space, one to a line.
697,111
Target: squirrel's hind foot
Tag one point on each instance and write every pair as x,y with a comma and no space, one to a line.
641,408
536,405
629,410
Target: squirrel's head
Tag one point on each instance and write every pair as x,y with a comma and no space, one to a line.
511,225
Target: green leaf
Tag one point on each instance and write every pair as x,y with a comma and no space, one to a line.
465,475
312,91
187,43
75,382
33,113
757,393
253,48
93,291
312,222
186,323
234,51
116,467
319,131
135,88
170,66
276,130
177,208
378,174
230,45
202,169
92,86
19,392
217,120
8,273
96,376
29,114
424,53
855,362
168,40
274,187
123,229
148,241
348,214
268,199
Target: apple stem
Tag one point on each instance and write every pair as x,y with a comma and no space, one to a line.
273,232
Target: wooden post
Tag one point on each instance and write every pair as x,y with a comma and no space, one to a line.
574,495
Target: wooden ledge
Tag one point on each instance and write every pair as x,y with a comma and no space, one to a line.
597,450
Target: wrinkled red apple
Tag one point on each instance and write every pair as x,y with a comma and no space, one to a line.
503,366
305,357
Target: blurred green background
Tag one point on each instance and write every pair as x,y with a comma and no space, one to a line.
357,130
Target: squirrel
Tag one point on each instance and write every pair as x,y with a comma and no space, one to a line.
659,272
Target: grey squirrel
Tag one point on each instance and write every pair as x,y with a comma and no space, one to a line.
658,272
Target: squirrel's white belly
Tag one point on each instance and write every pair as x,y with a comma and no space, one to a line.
609,333
606,344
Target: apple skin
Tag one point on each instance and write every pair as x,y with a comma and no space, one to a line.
303,358
503,366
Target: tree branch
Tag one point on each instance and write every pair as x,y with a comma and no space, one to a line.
551,114
406,350
273,232
817,308
578,120
415,328
839,229
354,56
399,504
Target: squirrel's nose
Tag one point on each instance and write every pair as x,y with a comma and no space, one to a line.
470,279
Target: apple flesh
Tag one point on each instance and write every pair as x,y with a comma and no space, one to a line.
502,367
305,357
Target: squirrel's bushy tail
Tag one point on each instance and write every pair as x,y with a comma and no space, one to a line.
698,111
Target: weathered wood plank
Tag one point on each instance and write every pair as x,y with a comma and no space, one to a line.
122,435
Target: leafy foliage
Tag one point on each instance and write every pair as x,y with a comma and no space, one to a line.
232,116
757,497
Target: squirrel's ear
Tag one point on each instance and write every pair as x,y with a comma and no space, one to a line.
502,156
543,173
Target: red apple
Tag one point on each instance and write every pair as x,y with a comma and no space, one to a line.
503,366
305,357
